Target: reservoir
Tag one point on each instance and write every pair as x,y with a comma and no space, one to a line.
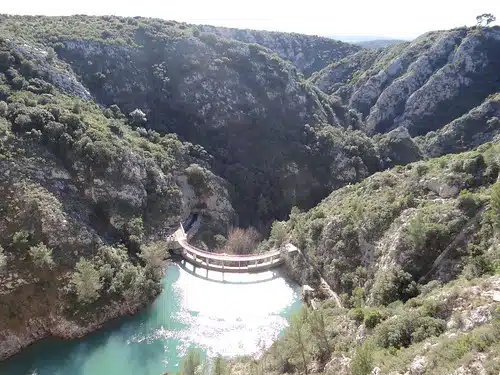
227,314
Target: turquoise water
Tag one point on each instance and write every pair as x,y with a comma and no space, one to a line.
230,314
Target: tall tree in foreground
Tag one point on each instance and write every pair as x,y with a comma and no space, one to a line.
297,338
219,366
318,330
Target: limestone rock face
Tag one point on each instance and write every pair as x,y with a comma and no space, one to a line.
421,85
418,366
339,364
480,125
58,73
441,188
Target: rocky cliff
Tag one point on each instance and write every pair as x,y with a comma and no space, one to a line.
423,84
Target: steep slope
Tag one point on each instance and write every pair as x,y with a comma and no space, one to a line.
422,85
415,252
395,224
87,202
308,53
338,74
244,105
480,125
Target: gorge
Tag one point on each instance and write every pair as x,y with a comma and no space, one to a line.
381,165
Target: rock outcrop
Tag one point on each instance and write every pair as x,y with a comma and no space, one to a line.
421,85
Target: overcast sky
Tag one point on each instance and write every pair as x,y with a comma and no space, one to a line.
391,18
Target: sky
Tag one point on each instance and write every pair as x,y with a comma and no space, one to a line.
386,18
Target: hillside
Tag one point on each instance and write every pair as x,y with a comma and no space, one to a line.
83,188
308,53
414,254
234,99
422,85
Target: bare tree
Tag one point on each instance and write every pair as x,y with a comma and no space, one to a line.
242,241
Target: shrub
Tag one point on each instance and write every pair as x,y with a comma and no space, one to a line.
53,130
197,178
73,122
427,326
86,281
19,83
362,362
356,314
417,231
407,328
278,233
153,256
116,127
3,108
372,318
20,239
477,266
138,117
117,113
77,108
358,295
468,203
108,113
135,229
393,285
23,123
41,256
430,286
220,241
435,307
495,200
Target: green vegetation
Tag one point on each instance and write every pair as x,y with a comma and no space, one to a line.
362,362
405,200
86,281
84,188
273,155
372,318
41,256
401,333
405,329
278,233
